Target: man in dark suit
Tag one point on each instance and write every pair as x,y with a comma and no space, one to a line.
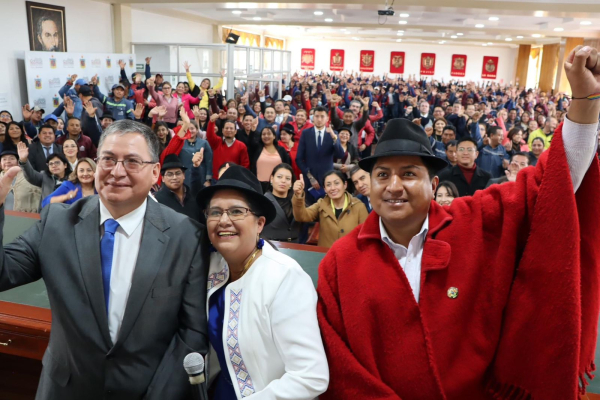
362,183
466,175
128,294
40,150
316,151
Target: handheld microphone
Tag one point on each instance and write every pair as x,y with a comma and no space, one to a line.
194,366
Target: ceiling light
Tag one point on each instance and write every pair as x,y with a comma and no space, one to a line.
402,22
490,43
257,18
585,23
398,40
400,30
404,15
318,12
442,41
459,34
519,37
453,37
400,33
484,44
559,29
480,26
236,12
343,29
355,38
508,39
328,20
347,32
493,18
538,14
536,35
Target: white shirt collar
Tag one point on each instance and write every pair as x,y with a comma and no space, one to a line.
128,222
387,240
229,145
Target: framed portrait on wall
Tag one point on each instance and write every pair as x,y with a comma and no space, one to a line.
47,28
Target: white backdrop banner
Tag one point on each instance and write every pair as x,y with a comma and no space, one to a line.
47,72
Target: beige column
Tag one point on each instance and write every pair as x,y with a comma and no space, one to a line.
549,67
122,28
562,84
522,64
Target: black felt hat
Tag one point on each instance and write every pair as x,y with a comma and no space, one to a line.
402,137
243,180
172,161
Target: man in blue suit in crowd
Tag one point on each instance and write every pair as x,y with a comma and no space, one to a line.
316,151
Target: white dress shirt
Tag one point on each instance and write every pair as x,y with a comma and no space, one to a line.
128,238
581,142
317,132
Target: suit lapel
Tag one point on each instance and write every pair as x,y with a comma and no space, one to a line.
87,241
152,249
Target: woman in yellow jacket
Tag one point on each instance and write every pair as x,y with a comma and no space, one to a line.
337,213
204,85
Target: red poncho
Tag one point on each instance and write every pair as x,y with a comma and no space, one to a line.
524,257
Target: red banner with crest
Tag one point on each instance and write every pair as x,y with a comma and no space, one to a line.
490,67
336,60
427,63
307,60
367,61
459,65
397,62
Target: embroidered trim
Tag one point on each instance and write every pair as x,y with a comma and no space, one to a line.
244,380
216,278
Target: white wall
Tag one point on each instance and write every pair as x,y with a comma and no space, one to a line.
89,29
506,57
155,28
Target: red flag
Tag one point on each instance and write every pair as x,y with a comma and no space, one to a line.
336,60
427,63
397,62
490,67
459,65
307,60
367,61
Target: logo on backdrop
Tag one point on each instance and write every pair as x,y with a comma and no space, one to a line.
459,63
367,59
490,66
82,62
308,58
108,62
397,61
38,82
337,60
52,62
96,63
54,83
41,102
68,63
428,62
36,63
55,100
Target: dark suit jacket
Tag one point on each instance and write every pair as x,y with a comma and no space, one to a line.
37,156
365,201
317,162
455,175
500,180
165,316
281,228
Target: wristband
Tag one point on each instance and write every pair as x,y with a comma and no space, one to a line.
595,96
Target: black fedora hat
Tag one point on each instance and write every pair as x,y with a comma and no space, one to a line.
402,137
172,161
240,179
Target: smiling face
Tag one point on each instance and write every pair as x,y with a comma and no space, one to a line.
234,238
173,178
56,166
229,130
443,197
5,117
85,173
14,132
162,132
335,188
167,89
537,147
401,190
267,137
46,136
285,137
438,112
270,114
180,89
362,182
467,154
300,117
74,127
8,161
439,126
116,186
70,148
344,136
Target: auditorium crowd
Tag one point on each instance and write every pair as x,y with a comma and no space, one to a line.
304,147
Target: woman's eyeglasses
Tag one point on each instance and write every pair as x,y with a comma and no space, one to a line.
234,213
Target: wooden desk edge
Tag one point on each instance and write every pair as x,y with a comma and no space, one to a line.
25,319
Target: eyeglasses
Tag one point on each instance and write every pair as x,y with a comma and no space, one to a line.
130,164
55,163
466,149
173,174
234,213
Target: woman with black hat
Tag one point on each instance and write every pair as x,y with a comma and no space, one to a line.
350,158
261,304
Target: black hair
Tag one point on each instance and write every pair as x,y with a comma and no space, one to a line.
47,126
449,128
8,112
268,128
467,139
320,109
451,143
230,122
540,139
71,118
247,115
520,153
267,107
450,187
494,130
279,101
231,164
354,170
287,167
339,174
8,139
63,159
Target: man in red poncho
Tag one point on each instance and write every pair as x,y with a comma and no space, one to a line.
494,297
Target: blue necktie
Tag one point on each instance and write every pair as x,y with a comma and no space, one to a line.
319,141
107,246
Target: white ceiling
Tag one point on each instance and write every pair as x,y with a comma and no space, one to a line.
428,20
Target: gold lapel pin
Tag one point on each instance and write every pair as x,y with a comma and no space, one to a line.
453,292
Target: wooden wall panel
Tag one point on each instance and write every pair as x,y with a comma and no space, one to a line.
522,64
562,84
549,66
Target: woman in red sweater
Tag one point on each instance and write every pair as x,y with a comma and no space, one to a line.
226,148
